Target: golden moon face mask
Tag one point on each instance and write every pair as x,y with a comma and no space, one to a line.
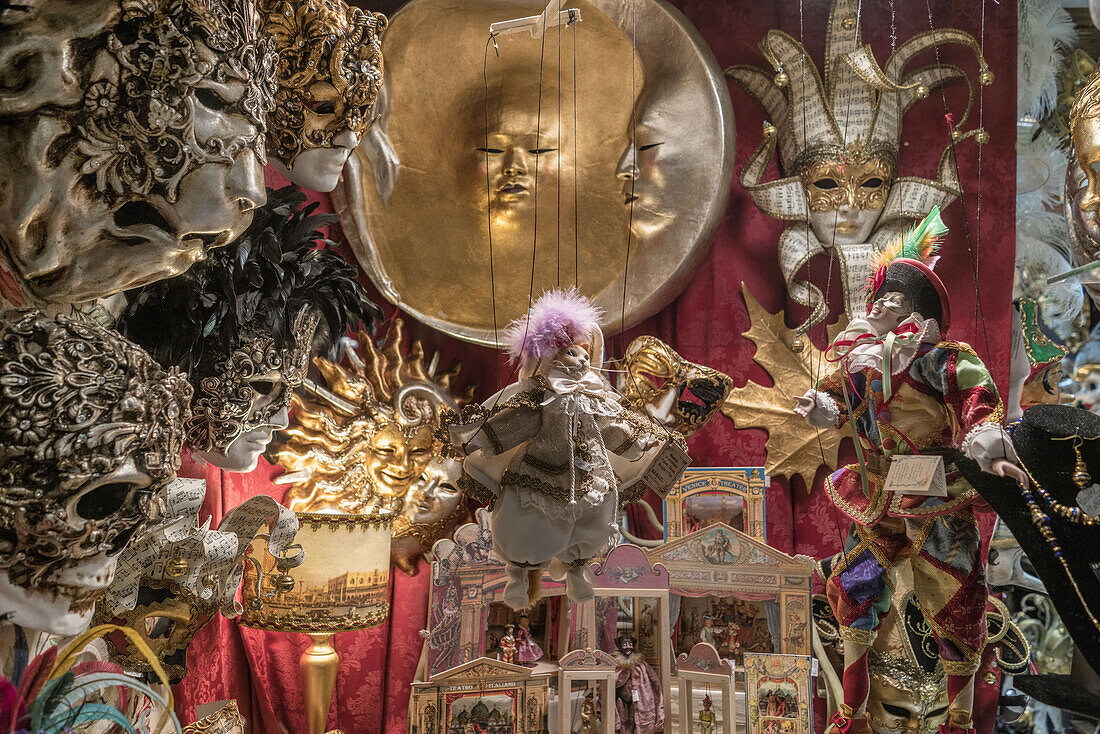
1084,127
329,72
474,150
159,160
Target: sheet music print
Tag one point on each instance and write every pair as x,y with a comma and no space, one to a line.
855,261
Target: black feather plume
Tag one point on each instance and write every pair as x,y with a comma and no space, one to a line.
256,286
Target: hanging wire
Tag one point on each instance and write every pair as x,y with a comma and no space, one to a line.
971,242
634,162
488,192
557,227
576,198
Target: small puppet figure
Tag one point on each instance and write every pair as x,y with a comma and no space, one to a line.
706,716
528,652
507,645
708,633
543,448
639,698
588,713
910,391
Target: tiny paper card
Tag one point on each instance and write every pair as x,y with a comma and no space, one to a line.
917,474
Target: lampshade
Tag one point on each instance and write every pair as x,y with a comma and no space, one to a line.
342,585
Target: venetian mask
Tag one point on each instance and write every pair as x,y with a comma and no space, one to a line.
91,430
160,161
905,698
1084,126
363,434
846,194
241,399
433,504
681,395
41,51
329,74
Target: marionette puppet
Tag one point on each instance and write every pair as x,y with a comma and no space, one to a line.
907,391
639,698
707,718
528,651
542,449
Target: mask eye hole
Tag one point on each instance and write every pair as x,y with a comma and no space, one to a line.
872,183
895,710
651,146
827,183
159,628
490,151
104,500
211,99
321,108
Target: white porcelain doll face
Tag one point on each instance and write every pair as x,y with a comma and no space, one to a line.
888,311
573,358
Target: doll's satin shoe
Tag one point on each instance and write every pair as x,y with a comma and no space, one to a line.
558,570
515,591
578,583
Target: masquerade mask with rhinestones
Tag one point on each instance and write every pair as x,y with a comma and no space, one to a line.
252,309
329,72
90,428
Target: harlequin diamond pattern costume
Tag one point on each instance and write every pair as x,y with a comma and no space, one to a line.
904,389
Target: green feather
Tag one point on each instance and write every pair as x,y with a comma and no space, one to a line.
923,240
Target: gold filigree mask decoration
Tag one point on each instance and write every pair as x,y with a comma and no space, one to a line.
160,161
681,395
364,434
904,697
854,111
91,430
329,73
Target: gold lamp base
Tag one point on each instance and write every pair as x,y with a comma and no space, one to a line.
318,665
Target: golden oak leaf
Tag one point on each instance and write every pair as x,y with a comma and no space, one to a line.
793,444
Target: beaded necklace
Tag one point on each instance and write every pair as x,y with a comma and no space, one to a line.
1037,497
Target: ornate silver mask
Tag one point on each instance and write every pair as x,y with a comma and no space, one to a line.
90,430
159,160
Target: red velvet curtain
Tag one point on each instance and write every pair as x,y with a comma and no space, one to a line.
704,324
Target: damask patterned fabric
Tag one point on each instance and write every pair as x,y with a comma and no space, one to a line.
704,325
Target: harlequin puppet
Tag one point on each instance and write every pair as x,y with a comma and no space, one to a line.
508,644
542,448
910,391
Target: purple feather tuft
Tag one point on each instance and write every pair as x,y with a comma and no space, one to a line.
557,319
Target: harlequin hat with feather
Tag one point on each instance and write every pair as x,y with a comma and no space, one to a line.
906,267
260,305
558,319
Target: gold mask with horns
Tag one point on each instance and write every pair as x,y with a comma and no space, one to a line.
363,438
838,140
